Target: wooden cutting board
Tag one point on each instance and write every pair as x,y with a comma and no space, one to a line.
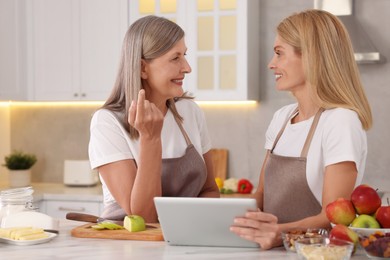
152,233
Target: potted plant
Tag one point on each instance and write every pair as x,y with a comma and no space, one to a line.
19,165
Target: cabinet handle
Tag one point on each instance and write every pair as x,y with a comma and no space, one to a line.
81,209
83,95
75,94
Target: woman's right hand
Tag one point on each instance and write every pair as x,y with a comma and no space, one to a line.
145,117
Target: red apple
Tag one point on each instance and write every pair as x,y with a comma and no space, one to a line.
365,199
383,216
344,233
340,211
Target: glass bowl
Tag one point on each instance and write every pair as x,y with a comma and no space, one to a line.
324,248
376,245
290,236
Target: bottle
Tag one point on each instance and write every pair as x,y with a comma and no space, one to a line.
16,200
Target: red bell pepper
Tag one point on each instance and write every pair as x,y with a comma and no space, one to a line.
244,186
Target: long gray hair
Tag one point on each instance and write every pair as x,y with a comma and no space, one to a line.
147,38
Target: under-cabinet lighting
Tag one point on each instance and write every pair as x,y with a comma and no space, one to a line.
249,103
52,103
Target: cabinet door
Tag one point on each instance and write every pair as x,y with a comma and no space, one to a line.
103,25
75,47
53,49
59,209
12,80
222,37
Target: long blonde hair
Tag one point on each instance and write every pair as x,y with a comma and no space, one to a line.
328,60
147,38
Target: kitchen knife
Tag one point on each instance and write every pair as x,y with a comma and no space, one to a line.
90,218
95,219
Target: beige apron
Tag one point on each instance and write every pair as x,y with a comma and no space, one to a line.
180,177
286,192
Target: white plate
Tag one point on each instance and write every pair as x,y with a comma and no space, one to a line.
28,242
369,231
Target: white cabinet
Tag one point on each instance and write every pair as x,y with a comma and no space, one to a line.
59,208
12,61
73,47
222,37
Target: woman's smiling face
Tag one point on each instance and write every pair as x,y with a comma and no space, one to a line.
163,77
287,66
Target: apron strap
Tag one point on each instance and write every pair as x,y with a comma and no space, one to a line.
188,141
283,127
310,135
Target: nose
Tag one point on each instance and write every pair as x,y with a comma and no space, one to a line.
186,67
271,66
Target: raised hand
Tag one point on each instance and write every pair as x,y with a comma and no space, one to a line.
145,117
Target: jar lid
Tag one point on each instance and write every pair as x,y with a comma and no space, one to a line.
17,195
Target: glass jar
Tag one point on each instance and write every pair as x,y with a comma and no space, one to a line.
16,200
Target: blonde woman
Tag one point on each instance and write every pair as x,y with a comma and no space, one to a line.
317,147
149,139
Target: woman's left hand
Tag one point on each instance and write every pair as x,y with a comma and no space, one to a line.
259,227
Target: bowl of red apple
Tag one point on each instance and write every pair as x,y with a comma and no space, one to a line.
363,212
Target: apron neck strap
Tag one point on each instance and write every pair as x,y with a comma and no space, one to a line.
188,141
283,127
310,135
313,127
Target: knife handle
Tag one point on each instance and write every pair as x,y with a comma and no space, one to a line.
81,217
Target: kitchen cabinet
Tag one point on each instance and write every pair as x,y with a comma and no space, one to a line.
12,62
59,208
222,37
74,47
60,50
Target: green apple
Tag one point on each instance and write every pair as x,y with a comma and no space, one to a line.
134,223
365,221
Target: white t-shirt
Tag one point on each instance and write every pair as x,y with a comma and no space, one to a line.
339,137
110,142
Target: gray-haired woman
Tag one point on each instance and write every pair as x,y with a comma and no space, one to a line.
149,139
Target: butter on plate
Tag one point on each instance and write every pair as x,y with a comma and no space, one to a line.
23,233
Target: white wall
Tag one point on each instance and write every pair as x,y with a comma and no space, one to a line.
5,139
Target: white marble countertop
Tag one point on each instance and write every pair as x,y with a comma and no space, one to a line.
64,246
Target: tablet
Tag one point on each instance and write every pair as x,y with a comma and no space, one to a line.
202,221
